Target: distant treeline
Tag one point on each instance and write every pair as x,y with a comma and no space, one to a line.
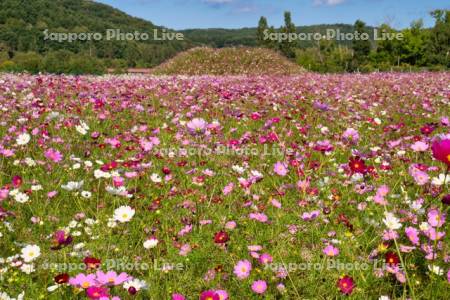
419,48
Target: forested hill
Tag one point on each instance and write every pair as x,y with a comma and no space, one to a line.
22,23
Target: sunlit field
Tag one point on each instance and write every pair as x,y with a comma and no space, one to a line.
213,188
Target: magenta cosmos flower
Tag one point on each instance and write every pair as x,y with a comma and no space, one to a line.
95,292
346,284
441,151
242,269
259,286
196,126
53,155
209,295
178,297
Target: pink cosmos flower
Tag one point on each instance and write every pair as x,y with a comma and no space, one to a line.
228,188
308,216
196,126
111,278
280,168
436,218
419,146
185,250
265,258
331,251
83,281
242,269
448,276
261,217
223,295
413,235
4,194
419,176
351,135
178,297
53,155
230,225
259,286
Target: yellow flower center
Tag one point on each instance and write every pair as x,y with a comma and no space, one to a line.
85,285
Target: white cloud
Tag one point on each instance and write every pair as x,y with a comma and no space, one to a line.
328,2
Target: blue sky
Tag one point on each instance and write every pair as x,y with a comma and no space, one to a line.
182,14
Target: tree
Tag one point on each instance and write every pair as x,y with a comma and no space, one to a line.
439,43
262,27
287,47
361,46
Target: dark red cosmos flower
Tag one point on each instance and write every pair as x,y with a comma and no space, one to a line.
92,262
109,166
166,170
221,237
95,292
357,165
391,259
346,284
62,278
446,199
441,151
209,295
427,129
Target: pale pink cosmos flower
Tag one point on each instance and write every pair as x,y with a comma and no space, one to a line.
242,269
351,135
436,218
280,168
261,217
259,286
228,188
419,146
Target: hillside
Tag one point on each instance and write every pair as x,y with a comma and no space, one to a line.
228,61
22,24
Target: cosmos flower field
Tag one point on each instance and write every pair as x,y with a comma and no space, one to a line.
214,188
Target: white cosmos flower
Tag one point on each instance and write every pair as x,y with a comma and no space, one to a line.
73,185
155,178
238,169
21,197
151,243
440,180
86,194
436,270
391,221
30,253
27,268
136,283
23,139
123,214
100,174
82,128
